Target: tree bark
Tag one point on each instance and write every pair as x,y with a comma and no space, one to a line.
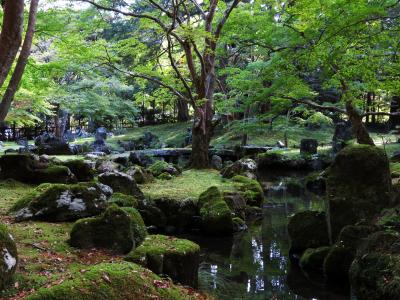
21,63
358,127
11,35
183,110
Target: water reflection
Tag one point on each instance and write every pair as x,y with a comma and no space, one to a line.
255,264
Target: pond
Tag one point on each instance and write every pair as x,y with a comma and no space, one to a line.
255,264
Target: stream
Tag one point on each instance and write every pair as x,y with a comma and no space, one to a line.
255,264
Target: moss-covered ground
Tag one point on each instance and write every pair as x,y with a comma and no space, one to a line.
190,184
45,257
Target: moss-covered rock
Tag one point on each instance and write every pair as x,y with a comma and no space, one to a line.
112,230
236,203
140,174
152,215
179,213
358,186
123,200
53,174
61,202
389,219
250,189
375,272
245,167
117,281
313,259
121,183
160,167
9,257
82,170
308,229
216,217
138,227
338,261
27,168
177,258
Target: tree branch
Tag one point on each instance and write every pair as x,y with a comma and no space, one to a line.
225,17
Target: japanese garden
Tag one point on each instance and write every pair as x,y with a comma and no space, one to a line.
199,149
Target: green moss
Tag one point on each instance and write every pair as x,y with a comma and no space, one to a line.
390,219
216,218
165,176
178,258
119,281
123,200
158,167
190,183
250,189
211,195
53,174
313,259
138,227
111,230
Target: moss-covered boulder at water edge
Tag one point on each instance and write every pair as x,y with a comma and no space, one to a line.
116,281
216,217
313,259
308,229
9,256
177,258
358,186
250,189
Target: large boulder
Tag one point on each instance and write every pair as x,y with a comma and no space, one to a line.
28,168
358,186
121,183
83,170
216,217
245,167
307,229
116,281
179,213
48,143
375,272
177,258
60,202
116,229
9,257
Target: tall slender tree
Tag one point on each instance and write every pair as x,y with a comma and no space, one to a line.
11,35
178,20
21,63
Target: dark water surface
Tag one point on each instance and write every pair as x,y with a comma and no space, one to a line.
255,264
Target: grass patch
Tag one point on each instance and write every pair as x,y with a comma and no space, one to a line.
190,183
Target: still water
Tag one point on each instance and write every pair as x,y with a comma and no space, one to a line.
255,264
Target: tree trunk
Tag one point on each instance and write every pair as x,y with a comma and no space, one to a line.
11,35
200,145
21,63
358,127
183,110
394,108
